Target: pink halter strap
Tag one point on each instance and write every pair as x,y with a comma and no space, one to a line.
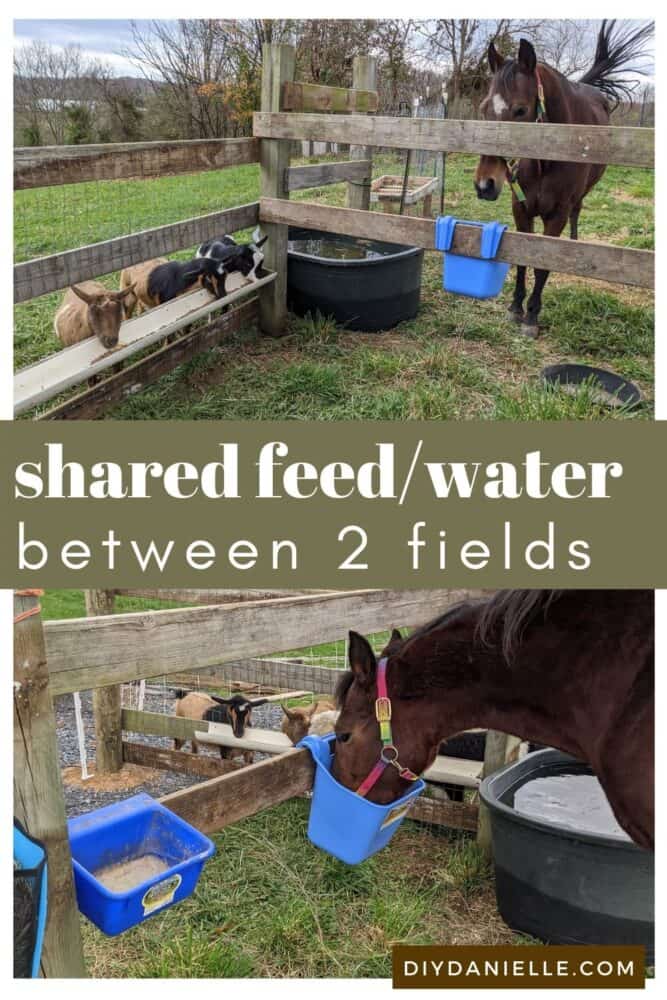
389,753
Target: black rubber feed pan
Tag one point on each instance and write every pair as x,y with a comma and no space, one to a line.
563,885
363,284
610,389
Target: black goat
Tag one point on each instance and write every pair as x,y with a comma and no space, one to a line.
168,281
245,258
235,711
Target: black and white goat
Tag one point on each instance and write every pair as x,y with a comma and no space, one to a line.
168,281
244,258
235,712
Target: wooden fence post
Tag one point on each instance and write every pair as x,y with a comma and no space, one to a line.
106,700
364,71
497,752
274,157
39,802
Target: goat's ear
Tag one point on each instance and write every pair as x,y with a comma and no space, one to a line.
495,58
219,700
84,296
258,701
527,56
396,635
288,712
126,291
362,659
260,243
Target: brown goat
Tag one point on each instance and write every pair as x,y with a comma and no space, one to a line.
137,276
298,721
90,310
235,711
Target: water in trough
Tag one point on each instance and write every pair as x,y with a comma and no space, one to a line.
573,800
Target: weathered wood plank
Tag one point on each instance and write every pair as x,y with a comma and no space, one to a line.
320,174
496,754
96,399
39,802
459,815
59,270
278,63
317,98
633,147
179,761
106,700
277,673
51,165
601,261
364,74
207,596
91,652
158,724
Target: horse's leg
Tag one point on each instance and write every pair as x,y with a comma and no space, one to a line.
524,223
574,221
553,226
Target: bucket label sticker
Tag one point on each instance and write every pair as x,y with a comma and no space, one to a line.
398,812
160,894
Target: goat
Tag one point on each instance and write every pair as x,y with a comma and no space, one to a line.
245,258
137,276
318,718
90,310
235,711
168,281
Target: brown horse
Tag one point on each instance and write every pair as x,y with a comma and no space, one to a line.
551,189
570,669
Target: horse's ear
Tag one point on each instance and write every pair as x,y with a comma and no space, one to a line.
527,56
362,659
495,58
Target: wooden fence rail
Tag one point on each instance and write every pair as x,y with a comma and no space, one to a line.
621,145
601,261
46,166
320,174
58,270
314,97
207,596
87,653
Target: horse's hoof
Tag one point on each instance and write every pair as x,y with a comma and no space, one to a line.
531,330
516,315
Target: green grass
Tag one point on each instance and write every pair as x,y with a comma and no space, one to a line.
459,359
270,904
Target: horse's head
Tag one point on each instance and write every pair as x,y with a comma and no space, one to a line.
512,97
358,743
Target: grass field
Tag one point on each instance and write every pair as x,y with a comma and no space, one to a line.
459,359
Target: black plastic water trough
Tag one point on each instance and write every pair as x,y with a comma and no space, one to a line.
363,284
563,885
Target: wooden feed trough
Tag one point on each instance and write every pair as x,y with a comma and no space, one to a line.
387,190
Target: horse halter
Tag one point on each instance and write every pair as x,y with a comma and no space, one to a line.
389,753
512,166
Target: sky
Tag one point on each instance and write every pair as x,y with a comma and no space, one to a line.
98,39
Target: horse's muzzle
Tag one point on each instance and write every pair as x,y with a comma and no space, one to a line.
487,190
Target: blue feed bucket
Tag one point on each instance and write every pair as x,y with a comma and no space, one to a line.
161,857
472,276
30,903
343,823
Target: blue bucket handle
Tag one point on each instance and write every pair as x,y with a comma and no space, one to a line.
492,233
319,746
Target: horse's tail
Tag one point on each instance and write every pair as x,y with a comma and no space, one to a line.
617,49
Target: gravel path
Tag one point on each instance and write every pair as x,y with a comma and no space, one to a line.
82,798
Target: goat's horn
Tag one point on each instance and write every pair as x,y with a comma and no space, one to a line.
288,712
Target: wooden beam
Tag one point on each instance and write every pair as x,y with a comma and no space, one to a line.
91,652
47,274
437,812
158,724
208,596
496,754
279,673
313,97
364,74
320,174
39,801
277,69
96,399
212,805
199,765
49,165
632,147
106,700
600,261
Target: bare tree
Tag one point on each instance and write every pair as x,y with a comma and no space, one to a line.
48,80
